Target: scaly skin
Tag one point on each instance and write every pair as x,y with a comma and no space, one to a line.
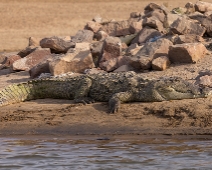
104,87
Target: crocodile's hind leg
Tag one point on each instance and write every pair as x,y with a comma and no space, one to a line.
82,91
116,99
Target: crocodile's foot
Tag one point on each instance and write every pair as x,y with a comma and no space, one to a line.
84,100
114,105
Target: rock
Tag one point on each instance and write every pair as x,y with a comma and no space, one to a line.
23,53
160,63
145,34
157,13
153,22
186,53
113,63
82,46
124,68
93,26
56,44
151,7
133,49
135,27
117,28
185,26
112,46
9,60
135,15
190,8
188,38
97,19
101,35
37,56
42,67
170,19
83,36
96,51
206,80
202,7
34,41
77,62
142,60
3,56
206,21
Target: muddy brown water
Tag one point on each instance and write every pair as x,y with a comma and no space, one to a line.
105,152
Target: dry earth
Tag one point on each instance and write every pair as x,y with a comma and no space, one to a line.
21,19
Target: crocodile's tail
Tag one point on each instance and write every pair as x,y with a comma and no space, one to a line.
35,89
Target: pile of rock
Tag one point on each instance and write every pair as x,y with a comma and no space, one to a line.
149,40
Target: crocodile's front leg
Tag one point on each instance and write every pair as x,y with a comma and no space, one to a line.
117,99
82,91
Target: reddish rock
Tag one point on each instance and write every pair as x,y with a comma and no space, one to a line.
96,51
42,67
9,60
153,22
160,63
186,53
112,47
93,26
190,8
101,35
83,36
135,15
143,58
56,44
113,63
77,62
206,80
145,34
157,13
135,27
202,7
117,28
34,41
3,56
185,26
23,53
37,56
188,38
133,49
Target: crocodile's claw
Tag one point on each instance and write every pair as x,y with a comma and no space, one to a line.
114,105
84,100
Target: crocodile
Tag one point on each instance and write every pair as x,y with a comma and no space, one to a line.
113,88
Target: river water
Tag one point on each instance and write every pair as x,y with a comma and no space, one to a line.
105,152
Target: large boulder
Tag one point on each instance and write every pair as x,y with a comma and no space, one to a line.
186,53
142,60
77,61
56,44
145,35
183,25
153,22
157,13
37,56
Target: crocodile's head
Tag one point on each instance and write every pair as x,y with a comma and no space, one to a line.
176,89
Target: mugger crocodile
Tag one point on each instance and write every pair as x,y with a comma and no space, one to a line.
114,88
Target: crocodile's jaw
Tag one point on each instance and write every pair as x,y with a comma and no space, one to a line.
170,93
